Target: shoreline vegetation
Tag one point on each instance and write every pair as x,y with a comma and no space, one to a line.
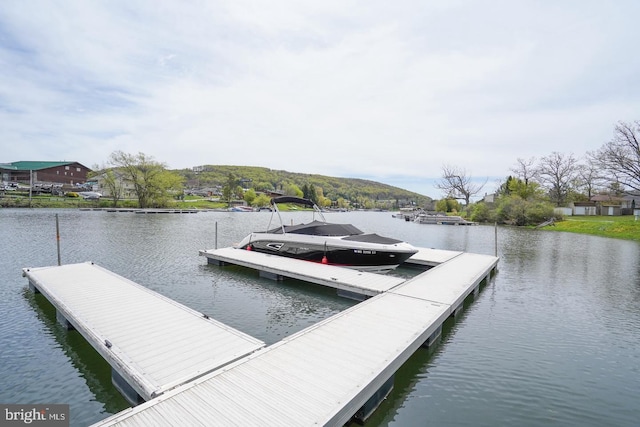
619,227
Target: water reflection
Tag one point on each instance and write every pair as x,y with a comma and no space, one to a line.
553,340
95,371
271,309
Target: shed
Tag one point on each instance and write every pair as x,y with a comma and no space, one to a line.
608,205
584,208
631,202
563,211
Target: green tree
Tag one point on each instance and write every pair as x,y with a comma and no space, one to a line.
511,210
526,190
249,196
324,202
309,192
514,210
262,200
293,190
504,188
112,181
447,205
366,203
151,181
342,203
229,188
263,186
480,212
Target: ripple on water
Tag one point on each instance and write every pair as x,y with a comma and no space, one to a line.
551,341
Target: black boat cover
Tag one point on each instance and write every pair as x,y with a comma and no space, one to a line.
319,228
292,199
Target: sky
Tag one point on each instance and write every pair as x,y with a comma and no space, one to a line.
387,91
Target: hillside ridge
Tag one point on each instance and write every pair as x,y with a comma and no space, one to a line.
263,178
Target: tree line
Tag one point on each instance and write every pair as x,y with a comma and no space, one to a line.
139,176
538,185
263,179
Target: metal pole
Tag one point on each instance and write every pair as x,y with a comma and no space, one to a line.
216,247
58,238
30,185
495,238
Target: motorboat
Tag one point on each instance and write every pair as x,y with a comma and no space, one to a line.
241,208
328,243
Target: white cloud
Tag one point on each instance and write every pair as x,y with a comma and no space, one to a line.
386,91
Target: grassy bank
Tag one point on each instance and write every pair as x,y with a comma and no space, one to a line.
619,227
46,201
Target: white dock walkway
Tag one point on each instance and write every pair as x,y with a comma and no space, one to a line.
432,257
326,373
150,341
451,282
346,280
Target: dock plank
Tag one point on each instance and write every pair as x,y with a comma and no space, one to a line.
359,282
431,257
319,376
153,342
324,374
451,282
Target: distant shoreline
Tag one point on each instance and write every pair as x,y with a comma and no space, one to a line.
616,227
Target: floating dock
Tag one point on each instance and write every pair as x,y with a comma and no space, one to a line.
152,343
349,283
144,211
331,372
428,257
195,371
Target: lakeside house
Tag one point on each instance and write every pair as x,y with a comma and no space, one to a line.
607,205
123,186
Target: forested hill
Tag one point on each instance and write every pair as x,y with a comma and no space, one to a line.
334,188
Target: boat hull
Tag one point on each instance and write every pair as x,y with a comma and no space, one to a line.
365,257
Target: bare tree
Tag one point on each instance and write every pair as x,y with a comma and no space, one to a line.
620,157
525,170
557,172
524,184
589,175
456,183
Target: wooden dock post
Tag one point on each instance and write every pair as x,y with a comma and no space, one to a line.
58,238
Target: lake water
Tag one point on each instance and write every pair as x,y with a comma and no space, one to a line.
554,339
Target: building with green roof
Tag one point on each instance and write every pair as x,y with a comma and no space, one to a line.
70,173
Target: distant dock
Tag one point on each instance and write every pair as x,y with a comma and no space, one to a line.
144,211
